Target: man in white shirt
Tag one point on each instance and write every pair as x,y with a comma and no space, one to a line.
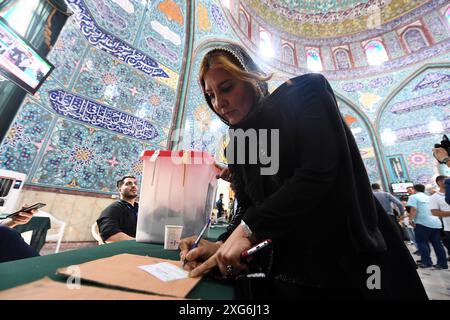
441,209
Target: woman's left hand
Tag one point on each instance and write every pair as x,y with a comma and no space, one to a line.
228,257
22,218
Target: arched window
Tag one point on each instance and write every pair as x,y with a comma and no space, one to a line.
288,54
265,44
375,53
414,39
244,23
227,4
447,15
313,60
342,59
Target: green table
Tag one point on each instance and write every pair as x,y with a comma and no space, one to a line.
19,272
39,226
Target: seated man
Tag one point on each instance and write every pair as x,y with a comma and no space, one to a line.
12,245
119,220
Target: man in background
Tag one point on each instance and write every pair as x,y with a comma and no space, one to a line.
119,220
219,205
427,229
386,200
441,209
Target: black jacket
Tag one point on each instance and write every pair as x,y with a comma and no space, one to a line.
318,209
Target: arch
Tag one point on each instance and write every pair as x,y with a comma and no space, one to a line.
402,85
244,23
342,59
375,52
288,53
414,39
265,43
381,116
375,141
447,16
313,60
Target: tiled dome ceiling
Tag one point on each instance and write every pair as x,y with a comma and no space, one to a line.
329,18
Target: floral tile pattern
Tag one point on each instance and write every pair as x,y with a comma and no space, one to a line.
83,157
26,137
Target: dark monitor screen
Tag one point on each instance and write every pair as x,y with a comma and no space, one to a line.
19,62
400,187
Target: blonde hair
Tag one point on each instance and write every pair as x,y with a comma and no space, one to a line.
225,60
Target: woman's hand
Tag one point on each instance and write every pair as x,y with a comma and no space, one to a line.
21,218
227,257
199,255
224,172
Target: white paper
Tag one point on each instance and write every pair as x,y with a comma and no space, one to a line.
165,271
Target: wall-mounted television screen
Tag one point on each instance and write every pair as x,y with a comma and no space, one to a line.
19,62
400,187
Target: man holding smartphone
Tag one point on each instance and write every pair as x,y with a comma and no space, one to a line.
12,246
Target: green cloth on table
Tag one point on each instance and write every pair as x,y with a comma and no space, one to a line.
19,272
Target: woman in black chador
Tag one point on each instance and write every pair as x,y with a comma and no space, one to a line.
330,237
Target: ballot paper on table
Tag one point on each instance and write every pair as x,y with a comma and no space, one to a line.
166,271
124,271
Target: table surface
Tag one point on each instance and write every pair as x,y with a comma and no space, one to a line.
23,271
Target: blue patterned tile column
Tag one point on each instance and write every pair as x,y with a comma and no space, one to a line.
301,56
363,139
359,57
393,46
327,58
434,23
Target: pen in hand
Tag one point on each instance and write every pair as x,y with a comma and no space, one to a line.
197,241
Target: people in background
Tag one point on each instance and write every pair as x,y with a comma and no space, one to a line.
219,205
387,200
426,229
12,245
410,190
441,209
119,220
443,157
230,208
317,207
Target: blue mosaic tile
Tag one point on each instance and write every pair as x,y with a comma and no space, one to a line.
363,139
79,108
211,23
438,30
25,138
111,44
163,32
418,115
113,83
83,157
66,53
121,18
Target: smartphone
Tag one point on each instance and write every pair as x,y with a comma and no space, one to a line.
26,209
246,255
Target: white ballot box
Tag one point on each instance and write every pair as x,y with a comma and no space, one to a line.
177,188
